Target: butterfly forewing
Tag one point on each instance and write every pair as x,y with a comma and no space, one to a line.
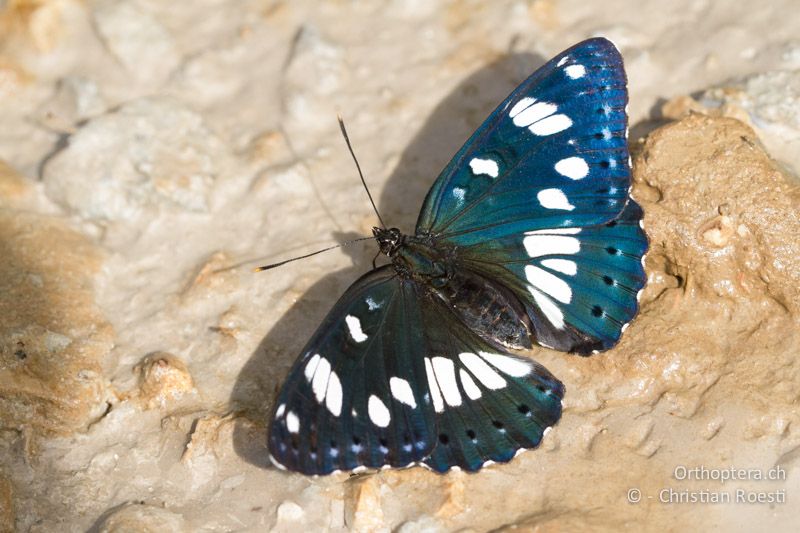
538,198
553,154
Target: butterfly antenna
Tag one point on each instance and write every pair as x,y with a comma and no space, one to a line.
361,175
280,263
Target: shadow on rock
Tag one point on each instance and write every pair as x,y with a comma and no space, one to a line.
450,124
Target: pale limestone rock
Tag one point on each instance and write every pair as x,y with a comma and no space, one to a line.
138,40
149,155
364,511
163,379
142,518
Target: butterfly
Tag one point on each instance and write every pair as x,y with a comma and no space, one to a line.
529,235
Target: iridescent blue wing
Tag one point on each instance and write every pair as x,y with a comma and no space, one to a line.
488,404
553,154
580,285
529,198
392,378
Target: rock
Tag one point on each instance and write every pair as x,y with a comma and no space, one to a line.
142,518
363,512
6,505
768,101
13,187
149,155
163,379
52,335
138,40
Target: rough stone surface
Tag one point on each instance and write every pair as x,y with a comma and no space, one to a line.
155,151
53,337
149,153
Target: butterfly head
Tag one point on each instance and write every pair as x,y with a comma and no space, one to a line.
389,240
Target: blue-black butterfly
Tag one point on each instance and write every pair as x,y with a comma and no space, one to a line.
528,234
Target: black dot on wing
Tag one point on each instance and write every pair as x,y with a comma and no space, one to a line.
497,424
611,250
471,435
524,409
444,439
608,280
611,224
605,164
597,311
599,135
383,442
333,445
356,441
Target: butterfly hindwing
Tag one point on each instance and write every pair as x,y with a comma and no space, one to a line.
580,285
408,383
356,395
553,154
488,404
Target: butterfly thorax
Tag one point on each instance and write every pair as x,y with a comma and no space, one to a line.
414,257
485,307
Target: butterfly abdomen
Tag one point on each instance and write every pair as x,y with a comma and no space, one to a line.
486,308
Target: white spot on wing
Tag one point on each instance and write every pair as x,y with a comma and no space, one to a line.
378,413
311,367
402,392
484,166
550,309
534,113
574,168
446,378
320,382
519,106
549,283
550,125
565,266
469,386
279,411
354,326
562,61
554,199
292,422
575,71
458,194
333,395
372,304
538,245
482,371
436,395
509,365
